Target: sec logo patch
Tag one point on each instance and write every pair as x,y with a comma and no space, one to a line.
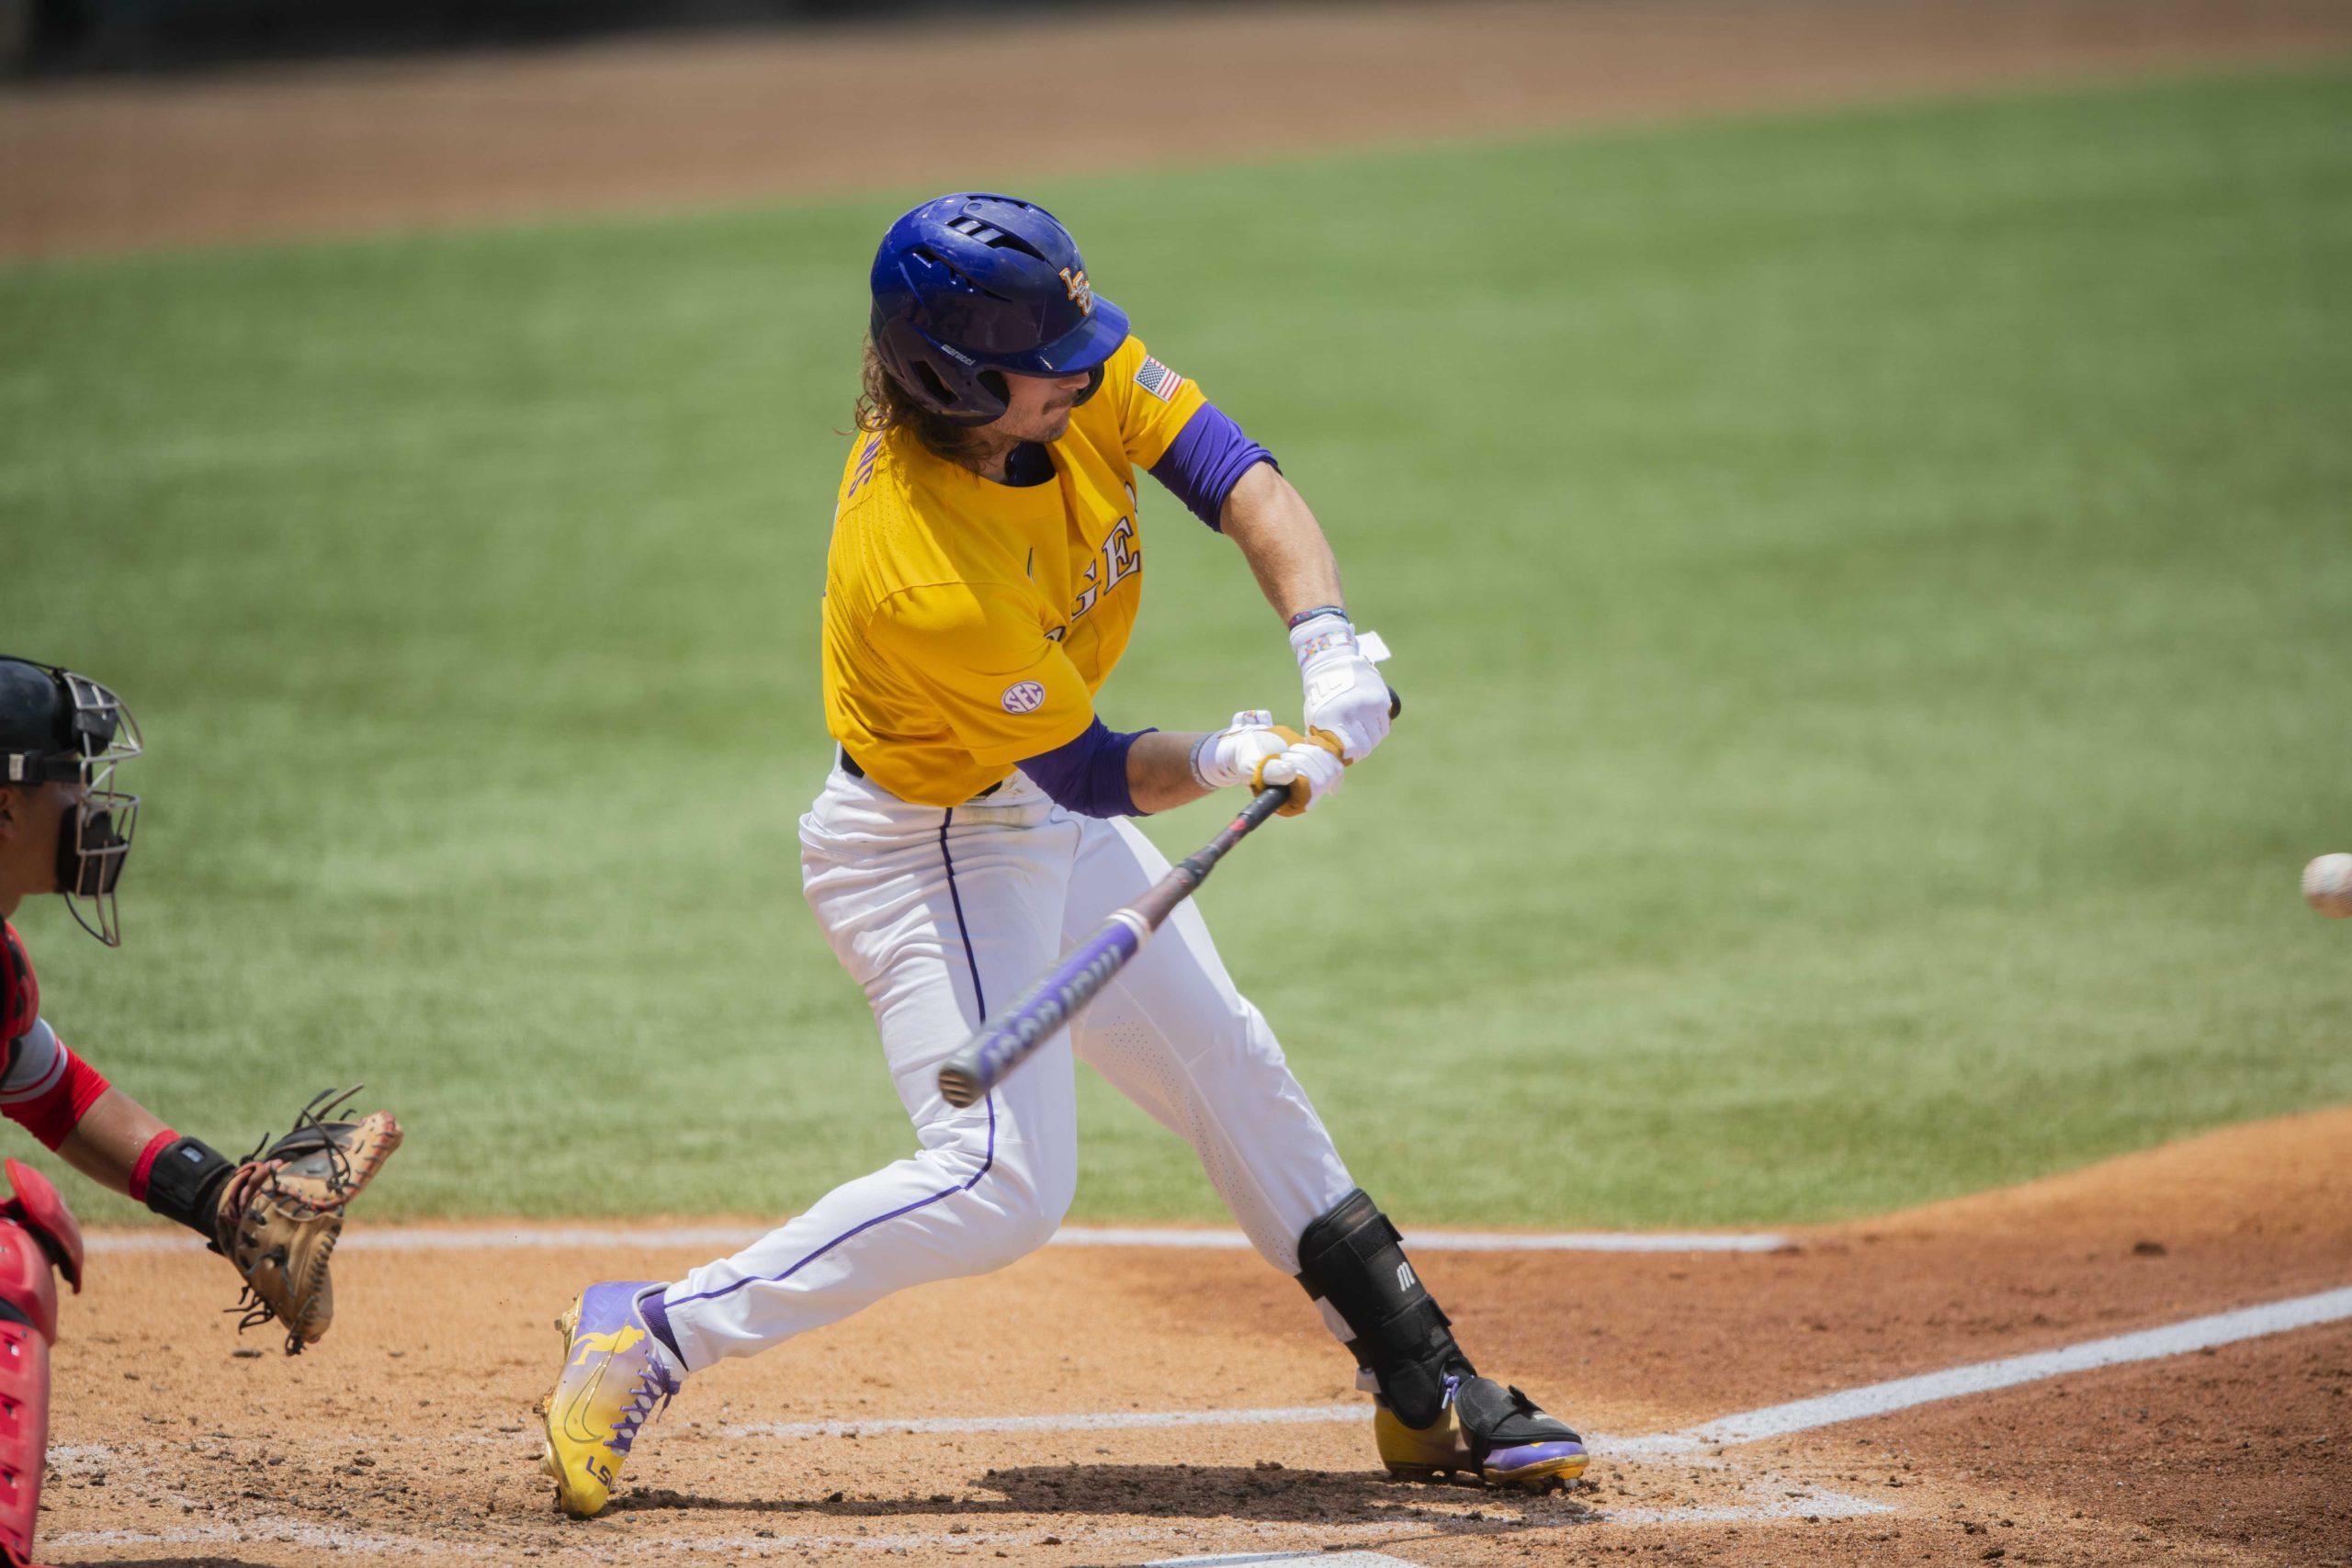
1024,696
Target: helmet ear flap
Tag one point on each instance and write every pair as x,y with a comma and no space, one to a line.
964,392
930,388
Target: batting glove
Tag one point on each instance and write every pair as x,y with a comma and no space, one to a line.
1313,768
1231,755
1346,698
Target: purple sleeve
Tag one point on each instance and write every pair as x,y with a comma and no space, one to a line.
1088,775
1206,461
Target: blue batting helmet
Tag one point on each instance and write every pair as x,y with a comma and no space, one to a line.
968,286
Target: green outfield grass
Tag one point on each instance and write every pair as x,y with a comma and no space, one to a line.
1873,593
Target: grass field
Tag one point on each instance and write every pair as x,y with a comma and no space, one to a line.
1873,593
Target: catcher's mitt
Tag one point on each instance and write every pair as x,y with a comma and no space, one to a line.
281,1214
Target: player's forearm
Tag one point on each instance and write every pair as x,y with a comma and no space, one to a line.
124,1148
105,1145
1267,517
1159,771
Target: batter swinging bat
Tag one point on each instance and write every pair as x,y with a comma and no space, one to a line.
1007,1040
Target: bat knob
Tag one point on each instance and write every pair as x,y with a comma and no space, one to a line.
957,1087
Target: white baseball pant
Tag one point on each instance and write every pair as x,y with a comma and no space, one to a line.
942,916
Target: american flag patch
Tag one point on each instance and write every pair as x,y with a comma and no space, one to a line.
1158,380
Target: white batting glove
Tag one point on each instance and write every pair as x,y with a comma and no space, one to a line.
1346,698
1231,755
1312,768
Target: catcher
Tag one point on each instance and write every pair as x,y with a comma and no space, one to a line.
274,1215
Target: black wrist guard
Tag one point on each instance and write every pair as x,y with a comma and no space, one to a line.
185,1183
1353,1262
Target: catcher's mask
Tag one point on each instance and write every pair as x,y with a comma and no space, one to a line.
59,727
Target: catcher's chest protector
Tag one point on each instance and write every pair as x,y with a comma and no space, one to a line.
19,992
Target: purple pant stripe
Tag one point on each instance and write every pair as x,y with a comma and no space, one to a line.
980,997
987,1159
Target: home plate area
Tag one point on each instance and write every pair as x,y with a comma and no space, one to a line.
2084,1370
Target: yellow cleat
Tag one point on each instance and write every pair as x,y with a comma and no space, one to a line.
613,1379
1489,1431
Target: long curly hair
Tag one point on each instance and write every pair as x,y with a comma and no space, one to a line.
884,405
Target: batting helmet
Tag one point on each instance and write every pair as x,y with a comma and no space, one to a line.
59,727
969,286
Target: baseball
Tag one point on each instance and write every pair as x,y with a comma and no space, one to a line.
2328,885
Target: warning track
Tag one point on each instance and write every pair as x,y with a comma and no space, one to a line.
729,118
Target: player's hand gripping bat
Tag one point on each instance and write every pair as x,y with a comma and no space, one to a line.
1014,1034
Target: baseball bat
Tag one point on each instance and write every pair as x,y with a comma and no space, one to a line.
1014,1033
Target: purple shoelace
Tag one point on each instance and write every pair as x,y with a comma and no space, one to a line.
653,1384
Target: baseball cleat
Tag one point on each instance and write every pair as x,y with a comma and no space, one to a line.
613,1379
1489,1431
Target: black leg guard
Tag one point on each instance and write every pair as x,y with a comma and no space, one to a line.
1353,1262
185,1185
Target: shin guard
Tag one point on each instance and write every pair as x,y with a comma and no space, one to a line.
23,1419
37,1233
1352,1263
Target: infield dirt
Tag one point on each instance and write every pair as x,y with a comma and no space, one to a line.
408,1433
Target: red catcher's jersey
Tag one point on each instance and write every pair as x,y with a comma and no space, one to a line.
19,991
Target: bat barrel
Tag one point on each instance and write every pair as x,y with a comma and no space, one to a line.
1006,1040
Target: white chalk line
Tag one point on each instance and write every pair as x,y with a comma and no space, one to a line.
1452,1241
1724,1431
727,1239
260,1532
1727,1431
1985,1377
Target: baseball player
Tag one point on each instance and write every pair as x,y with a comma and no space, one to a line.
65,829
986,569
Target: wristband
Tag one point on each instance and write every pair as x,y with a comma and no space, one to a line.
1192,757
1305,615
1308,639
184,1182
145,1168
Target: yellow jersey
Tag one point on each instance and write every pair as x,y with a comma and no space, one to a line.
969,623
